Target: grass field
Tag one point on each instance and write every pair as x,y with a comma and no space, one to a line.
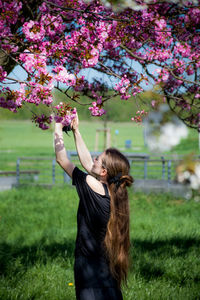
37,237
22,138
38,226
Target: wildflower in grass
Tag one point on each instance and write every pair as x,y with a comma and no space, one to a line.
70,284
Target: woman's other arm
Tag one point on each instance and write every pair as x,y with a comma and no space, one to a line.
60,151
83,152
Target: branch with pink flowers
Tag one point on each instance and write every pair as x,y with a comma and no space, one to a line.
55,41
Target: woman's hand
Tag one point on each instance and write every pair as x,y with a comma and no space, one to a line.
75,123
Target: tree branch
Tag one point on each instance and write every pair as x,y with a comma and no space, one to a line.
110,72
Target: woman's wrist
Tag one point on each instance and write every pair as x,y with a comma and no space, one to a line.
58,127
76,131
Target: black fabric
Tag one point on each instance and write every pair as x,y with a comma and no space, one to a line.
99,294
91,267
115,179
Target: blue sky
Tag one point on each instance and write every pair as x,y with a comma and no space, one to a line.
20,74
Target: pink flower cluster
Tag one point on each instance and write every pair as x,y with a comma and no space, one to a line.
9,104
96,109
43,121
161,54
123,88
68,118
162,32
36,93
140,115
33,60
136,90
193,16
64,114
184,50
93,57
63,76
53,25
9,15
34,31
163,75
3,74
12,100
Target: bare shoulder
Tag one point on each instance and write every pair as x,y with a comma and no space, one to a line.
95,185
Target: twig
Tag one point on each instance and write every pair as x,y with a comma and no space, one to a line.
71,98
109,70
16,61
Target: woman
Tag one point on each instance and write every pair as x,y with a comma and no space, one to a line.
102,243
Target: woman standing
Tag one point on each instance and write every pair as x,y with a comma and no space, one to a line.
102,243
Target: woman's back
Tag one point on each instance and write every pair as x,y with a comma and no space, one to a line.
91,264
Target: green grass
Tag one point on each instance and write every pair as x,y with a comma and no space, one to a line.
21,138
37,237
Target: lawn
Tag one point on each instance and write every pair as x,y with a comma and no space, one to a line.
37,237
22,138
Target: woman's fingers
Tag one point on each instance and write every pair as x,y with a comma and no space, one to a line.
75,122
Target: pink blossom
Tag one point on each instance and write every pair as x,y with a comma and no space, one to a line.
140,115
123,85
33,31
125,96
190,70
9,104
63,76
182,49
99,100
3,74
96,110
42,121
64,117
33,60
58,119
123,90
104,35
53,25
161,24
94,52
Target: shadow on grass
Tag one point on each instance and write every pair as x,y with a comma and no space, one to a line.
30,255
147,256
167,246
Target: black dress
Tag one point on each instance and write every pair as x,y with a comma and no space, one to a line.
93,280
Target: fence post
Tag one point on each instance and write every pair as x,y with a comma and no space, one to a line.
169,163
53,171
17,171
145,168
163,167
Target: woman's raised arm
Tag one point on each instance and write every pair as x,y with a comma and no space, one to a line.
83,152
60,151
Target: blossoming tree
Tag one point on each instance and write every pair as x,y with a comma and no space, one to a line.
53,41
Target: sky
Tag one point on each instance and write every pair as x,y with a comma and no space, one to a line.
19,73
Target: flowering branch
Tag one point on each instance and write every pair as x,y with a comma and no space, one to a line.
54,40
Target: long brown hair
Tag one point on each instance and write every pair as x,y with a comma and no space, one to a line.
117,240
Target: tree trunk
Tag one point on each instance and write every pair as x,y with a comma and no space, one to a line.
6,62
